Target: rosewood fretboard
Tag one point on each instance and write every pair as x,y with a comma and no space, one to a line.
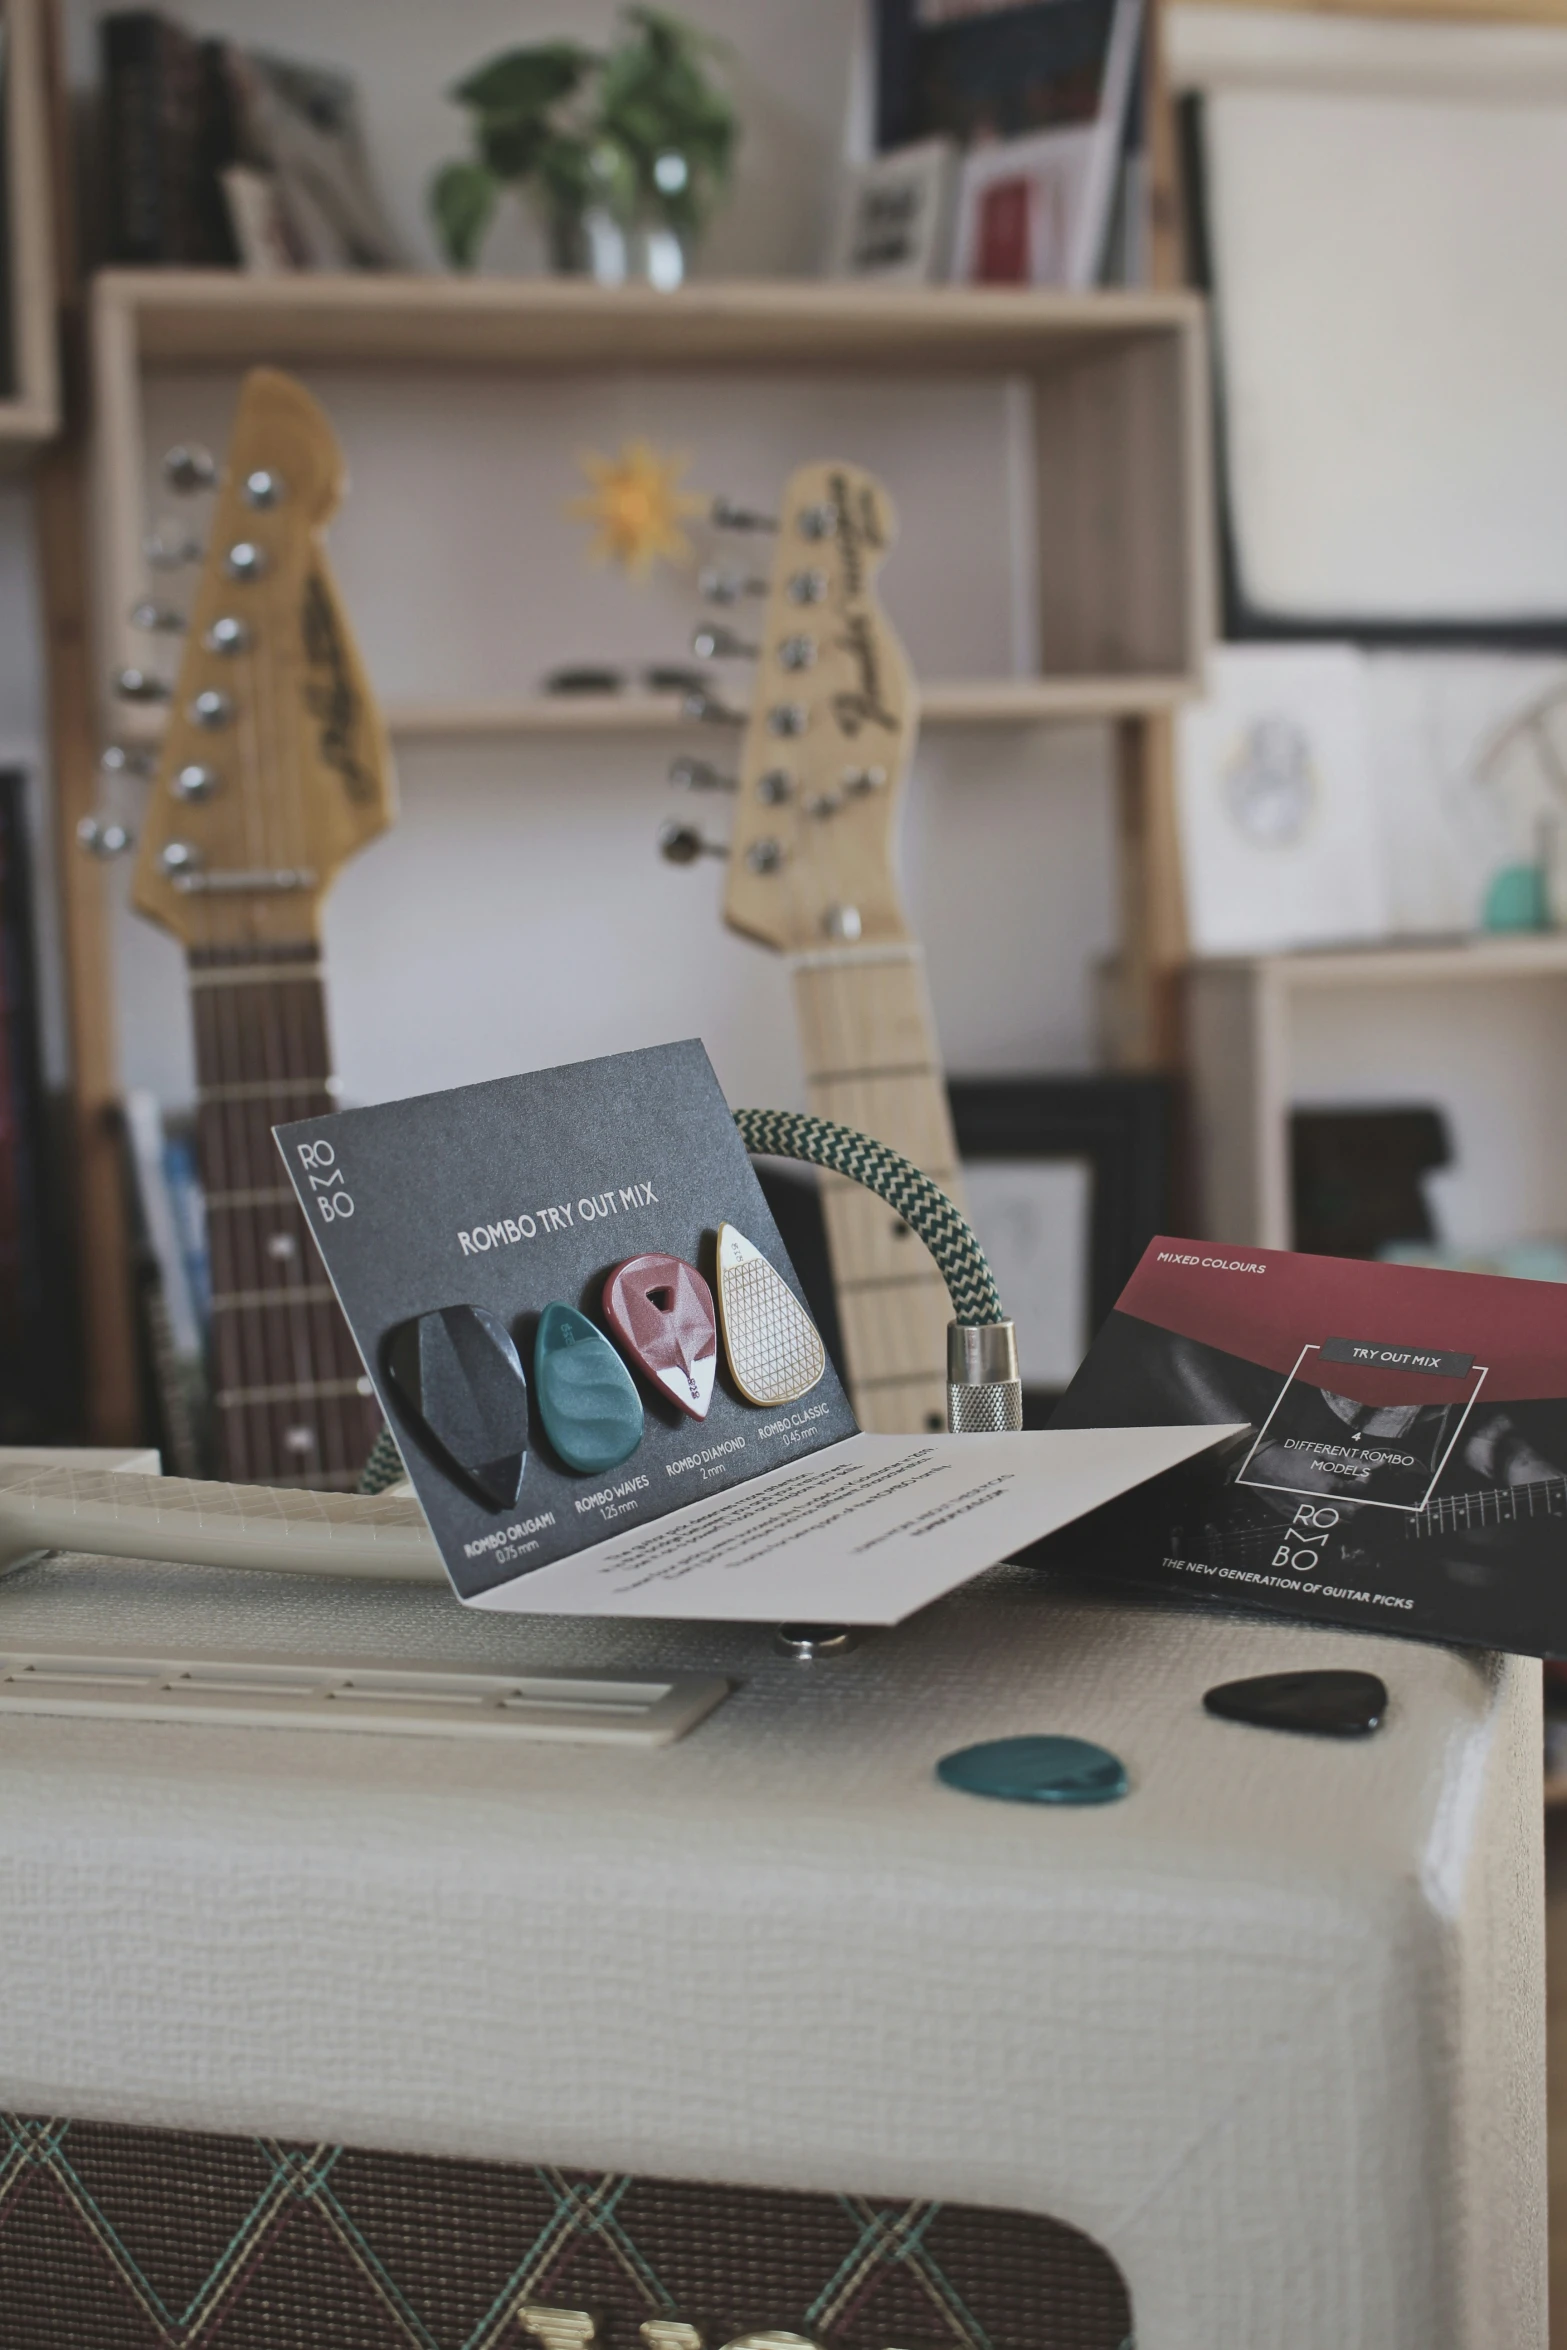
291,1403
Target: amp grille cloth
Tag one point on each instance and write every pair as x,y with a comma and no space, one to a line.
131,2239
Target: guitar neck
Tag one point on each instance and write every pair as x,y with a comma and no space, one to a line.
291,1404
1502,1505
869,1045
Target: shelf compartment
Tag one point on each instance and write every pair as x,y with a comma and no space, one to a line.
1117,404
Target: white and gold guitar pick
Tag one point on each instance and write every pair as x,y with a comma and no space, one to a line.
775,1352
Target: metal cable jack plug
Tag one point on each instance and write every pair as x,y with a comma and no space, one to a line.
984,1391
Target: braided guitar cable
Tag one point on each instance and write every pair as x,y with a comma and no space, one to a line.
842,1150
384,1467
924,1207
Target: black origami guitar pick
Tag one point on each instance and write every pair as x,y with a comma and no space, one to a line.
1325,1704
460,1376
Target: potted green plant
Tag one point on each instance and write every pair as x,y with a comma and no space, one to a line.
637,145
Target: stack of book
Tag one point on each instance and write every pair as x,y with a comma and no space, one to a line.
217,155
1036,106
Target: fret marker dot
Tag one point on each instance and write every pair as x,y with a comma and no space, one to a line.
363,1386
299,1439
282,1245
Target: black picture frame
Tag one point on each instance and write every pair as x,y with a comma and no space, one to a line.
1122,1125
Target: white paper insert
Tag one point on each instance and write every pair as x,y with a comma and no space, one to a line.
864,1532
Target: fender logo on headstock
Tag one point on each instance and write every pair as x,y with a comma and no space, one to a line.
854,710
858,528
330,696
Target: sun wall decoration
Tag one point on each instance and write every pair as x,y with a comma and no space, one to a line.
636,507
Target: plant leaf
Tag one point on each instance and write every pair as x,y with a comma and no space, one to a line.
462,198
525,82
510,144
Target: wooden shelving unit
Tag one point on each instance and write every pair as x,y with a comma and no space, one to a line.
1118,391
30,403
1240,1014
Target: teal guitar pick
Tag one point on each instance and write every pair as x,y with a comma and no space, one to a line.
586,1397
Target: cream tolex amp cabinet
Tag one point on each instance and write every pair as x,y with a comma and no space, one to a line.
762,2035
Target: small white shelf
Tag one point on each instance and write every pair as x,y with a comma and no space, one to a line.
1243,1031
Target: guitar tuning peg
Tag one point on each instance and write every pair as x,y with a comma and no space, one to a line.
724,514
139,685
123,759
818,522
713,642
699,775
102,836
157,619
168,548
711,712
682,844
189,467
717,586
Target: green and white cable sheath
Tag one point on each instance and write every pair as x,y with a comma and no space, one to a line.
923,1205
984,1390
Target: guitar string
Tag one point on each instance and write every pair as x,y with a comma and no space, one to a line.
312,1362
276,1354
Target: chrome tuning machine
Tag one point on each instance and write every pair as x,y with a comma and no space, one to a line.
717,586
168,548
713,642
140,685
189,468
699,775
682,844
155,619
724,514
103,836
709,711
125,759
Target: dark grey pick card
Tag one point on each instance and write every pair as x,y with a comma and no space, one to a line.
511,1196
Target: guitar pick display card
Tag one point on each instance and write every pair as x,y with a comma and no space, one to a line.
1406,1466
515,1198
587,1337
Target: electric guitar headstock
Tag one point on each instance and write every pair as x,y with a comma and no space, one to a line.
832,725
275,767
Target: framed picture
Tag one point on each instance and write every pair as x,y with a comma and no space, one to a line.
1279,841
894,216
1022,209
1067,1180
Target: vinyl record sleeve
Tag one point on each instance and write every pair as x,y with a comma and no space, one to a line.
1405,1468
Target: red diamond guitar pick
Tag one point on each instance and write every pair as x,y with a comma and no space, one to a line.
661,1310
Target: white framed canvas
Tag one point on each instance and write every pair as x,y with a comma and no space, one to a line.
893,220
1280,842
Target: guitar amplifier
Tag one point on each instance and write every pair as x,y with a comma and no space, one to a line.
765,2036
